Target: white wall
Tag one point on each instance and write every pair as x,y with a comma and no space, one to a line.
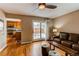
68,23
3,33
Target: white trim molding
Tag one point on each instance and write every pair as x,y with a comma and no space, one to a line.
3,48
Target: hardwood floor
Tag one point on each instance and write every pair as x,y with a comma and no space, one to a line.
32,49
13,49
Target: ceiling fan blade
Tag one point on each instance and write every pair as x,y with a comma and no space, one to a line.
51,6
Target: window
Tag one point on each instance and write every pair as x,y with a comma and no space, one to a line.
39,30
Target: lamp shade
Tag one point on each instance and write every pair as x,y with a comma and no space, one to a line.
54,30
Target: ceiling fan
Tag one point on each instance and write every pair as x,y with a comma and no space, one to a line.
44,5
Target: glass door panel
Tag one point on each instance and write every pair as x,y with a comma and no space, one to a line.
36,30
43,30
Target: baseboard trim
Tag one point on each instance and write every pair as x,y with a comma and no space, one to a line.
3,48
31,41
26,42
37,40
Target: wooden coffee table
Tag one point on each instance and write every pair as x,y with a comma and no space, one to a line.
68,51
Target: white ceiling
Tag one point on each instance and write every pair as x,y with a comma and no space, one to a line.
32,9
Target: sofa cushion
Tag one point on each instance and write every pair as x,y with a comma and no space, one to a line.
74,37
67,43
75,47
57,40
64,36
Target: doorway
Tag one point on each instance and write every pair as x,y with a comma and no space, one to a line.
13,31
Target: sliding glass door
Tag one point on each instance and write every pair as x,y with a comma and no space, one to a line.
39,30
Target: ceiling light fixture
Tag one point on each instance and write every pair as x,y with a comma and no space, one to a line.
42,6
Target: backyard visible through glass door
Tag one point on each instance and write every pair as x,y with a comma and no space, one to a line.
39,30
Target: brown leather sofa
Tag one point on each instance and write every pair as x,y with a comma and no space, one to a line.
70,40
